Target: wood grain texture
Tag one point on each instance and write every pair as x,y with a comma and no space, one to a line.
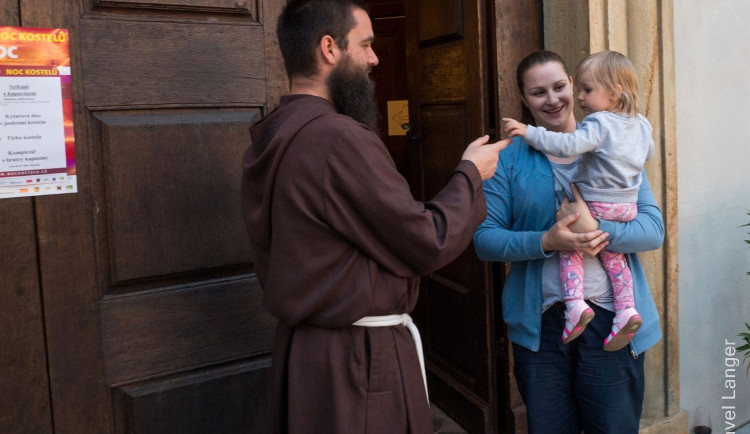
174,330
133,63
173,187
215,400
236,6
440,21
24,387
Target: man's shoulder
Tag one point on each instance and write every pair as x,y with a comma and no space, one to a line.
338,127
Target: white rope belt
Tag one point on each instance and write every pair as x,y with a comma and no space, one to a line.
406,321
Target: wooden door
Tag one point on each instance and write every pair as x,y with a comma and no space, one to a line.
139,288
461,59
450,105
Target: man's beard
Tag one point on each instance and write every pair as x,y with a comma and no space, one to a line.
353,93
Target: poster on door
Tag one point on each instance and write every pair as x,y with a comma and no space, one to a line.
37,145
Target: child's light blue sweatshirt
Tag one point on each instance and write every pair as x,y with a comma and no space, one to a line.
614,148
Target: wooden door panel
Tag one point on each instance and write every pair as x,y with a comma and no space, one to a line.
173,330
172,196
214,400
454,351
246,6
147,63
439,20
463,270
442,76
443,129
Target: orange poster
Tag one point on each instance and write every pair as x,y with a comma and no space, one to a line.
37,144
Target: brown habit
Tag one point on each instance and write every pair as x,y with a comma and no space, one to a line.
338,236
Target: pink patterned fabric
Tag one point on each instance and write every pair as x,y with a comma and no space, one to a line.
615,264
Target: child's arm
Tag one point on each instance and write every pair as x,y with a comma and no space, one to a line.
514,128
588,137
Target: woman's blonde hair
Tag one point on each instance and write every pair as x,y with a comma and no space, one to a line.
610,68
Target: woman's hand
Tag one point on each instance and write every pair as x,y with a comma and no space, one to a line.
586,222
560,237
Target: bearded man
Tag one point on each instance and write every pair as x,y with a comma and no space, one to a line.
339,241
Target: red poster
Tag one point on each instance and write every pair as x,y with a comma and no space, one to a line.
37,144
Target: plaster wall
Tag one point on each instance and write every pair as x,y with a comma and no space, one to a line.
712,82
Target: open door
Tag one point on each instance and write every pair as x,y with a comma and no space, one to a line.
461,60
450,104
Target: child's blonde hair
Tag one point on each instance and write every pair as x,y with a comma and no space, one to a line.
610,68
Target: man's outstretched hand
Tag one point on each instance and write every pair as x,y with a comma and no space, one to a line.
484,155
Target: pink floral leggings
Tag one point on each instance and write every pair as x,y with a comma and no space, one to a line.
615,264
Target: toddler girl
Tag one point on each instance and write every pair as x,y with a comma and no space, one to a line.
615,142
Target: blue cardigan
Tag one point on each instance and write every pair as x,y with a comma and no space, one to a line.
520,208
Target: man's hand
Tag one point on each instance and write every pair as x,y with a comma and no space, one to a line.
586,222
484,156
514,128
560,237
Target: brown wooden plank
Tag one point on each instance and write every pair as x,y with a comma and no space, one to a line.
439,20
130,63
81,400
24,383
443,75
391,80
456,350
173,184
172,330
227,399
444,137
385,8
237,6
24,387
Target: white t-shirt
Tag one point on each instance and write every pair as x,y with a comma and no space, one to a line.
596,284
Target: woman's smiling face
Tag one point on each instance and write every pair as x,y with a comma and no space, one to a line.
548,93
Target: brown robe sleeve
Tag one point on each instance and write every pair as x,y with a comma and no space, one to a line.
370,204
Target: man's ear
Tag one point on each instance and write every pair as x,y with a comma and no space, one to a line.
329,50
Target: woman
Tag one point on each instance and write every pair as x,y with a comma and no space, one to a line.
577,386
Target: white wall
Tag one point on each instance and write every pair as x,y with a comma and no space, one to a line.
712,67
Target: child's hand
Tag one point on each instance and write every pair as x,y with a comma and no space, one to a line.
514,128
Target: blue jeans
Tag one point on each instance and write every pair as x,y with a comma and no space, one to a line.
579,386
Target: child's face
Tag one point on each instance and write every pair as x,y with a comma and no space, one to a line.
592,96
